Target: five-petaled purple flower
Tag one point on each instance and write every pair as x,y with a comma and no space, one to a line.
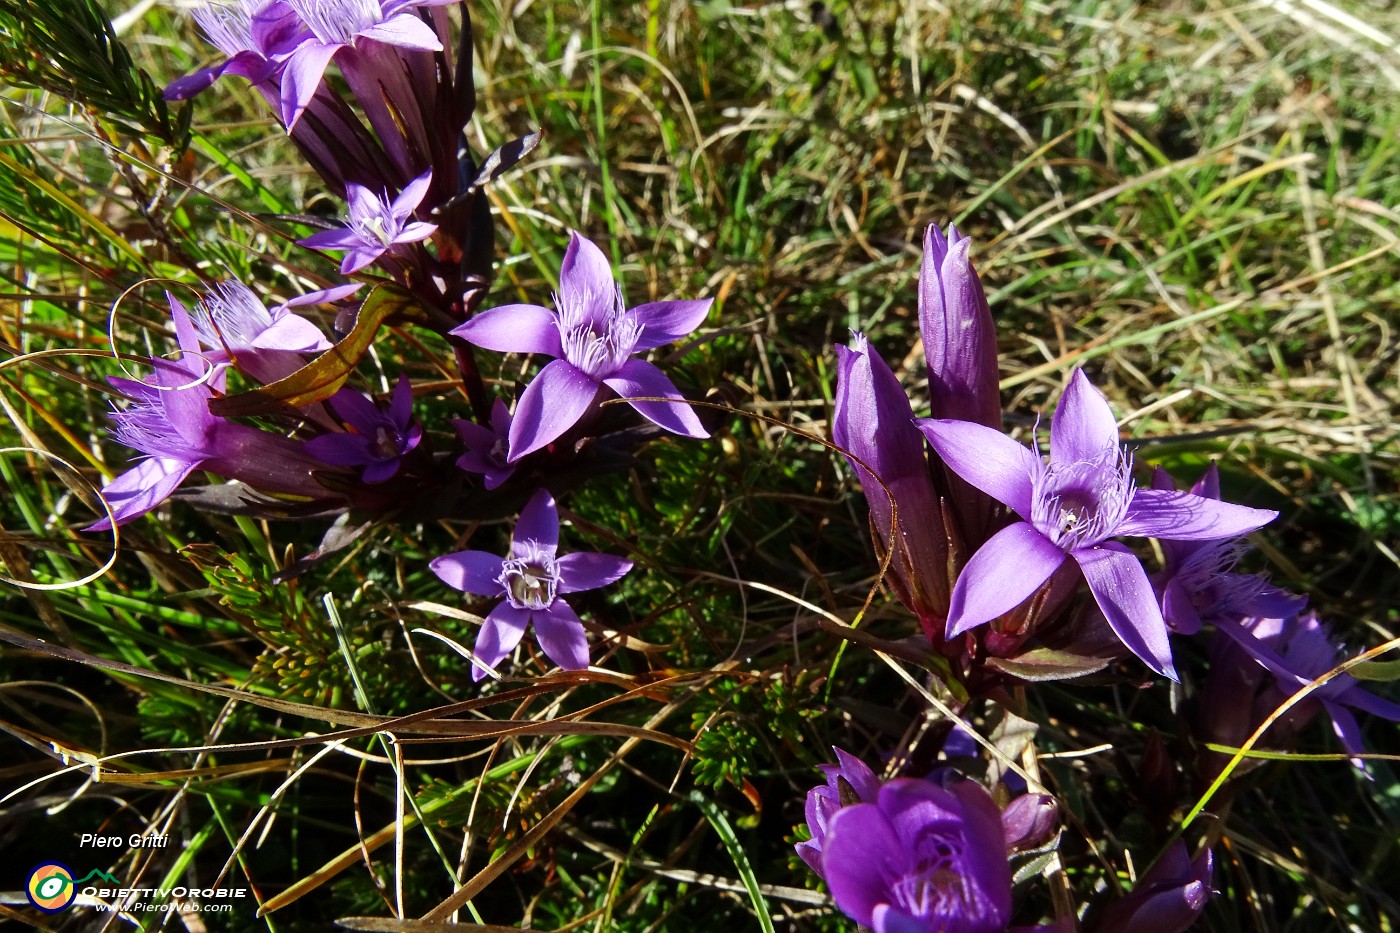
592,337
255,35
379,439
376,224
1072,507
487,447
1198,583
533,579
921,858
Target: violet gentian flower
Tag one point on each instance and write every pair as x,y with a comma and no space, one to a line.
168,420
1071,508
848,782
872,421
487,447
1167,899
376,224
338,25
592,337
1198,583
256,36
921,858
533,580
1297,651
378,439
960,341
235,326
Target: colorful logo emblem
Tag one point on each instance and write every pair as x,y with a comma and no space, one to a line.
51,887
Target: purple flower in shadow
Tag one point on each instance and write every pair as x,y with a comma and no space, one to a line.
487,447
1071,508
1198,583
376,224
921,858
532,580
1167,899
849,782
378,439
1297,651
592,338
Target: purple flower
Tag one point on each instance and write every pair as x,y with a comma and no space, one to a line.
1198,583
232,322
592,338
872,420
169,421
376,224
355,25
1297,651
255,35
849,782
532,579
378,439
921,858
960,341
1072,507
487,447
1167,899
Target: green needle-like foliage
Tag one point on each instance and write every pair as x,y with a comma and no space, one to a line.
69,48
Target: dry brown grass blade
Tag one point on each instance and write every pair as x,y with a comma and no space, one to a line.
431,722
537,832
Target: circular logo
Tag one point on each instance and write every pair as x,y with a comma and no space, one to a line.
51,887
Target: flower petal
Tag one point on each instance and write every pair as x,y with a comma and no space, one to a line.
356,410
560,634
141,488
1121,588
539,522
666,321
338,238
412,233
585,278
343,449
586,571
1083,426
1181,516
324,295
514,329
475,572
1001,575
379,471
861,855
410,197
986,458
302,76
401,403
404,31
292,332
550,405
639,379
500,633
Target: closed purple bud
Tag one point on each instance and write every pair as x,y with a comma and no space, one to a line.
1029,821
851,781
873,421
959,337
1167,899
